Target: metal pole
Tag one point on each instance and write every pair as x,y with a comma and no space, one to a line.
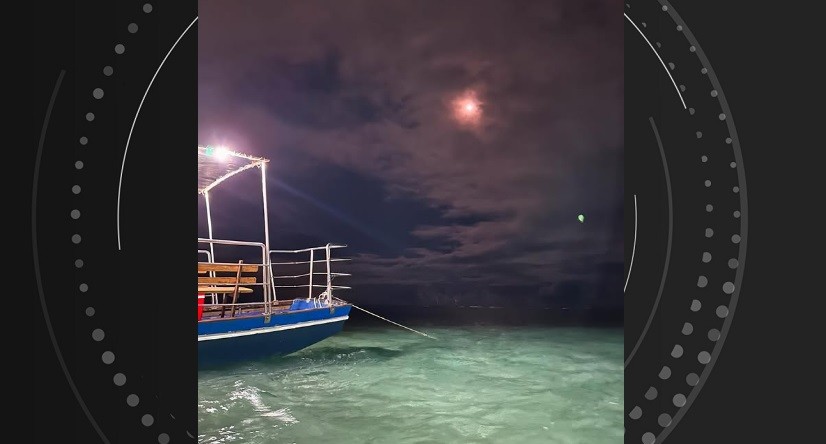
311,275
209,226
266,262
211,258
329,279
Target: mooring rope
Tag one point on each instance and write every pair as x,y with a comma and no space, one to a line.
385,319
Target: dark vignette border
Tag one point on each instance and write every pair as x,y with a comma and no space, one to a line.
107,323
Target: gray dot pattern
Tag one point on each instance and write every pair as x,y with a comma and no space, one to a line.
677,351
679,400
696,305
98,335
107,357
728,261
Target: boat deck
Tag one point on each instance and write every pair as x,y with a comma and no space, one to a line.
212,312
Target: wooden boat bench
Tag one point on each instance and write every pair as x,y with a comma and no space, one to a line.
225,285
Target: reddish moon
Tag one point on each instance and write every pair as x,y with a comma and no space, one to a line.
467,109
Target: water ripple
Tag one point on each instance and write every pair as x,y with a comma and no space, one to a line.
480,384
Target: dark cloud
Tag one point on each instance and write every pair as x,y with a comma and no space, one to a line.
366,87
311,94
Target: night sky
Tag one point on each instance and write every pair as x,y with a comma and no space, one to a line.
450,144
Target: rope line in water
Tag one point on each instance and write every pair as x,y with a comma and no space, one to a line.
385,319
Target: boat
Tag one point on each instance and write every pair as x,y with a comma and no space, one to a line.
250,305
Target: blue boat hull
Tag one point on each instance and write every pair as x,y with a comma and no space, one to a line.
255,337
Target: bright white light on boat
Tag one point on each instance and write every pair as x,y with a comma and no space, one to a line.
221,153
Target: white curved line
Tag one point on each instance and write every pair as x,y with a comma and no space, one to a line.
658,56
634,247
129,138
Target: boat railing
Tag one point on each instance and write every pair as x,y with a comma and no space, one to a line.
316,255
208,255
266,270
213,297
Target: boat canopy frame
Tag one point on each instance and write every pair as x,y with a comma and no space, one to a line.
210,175
215,166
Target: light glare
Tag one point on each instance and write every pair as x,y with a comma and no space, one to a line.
221,153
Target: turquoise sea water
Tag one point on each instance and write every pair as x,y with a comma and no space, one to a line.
387,385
